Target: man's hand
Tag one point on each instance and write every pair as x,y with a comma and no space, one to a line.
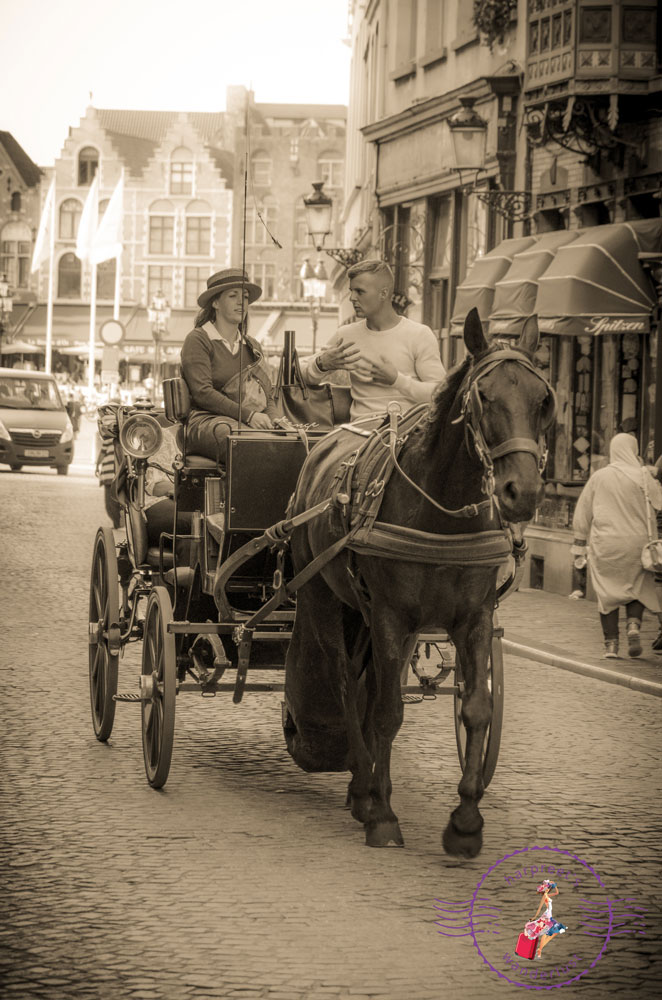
343,355
260,421
383,372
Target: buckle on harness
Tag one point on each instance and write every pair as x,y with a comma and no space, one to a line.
374,488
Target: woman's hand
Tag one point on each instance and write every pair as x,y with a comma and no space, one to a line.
260,421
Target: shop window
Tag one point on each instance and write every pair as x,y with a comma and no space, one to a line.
106,279
630,380
68,277
88,164
70,213
16,201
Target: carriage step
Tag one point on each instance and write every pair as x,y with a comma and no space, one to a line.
412,699
127,697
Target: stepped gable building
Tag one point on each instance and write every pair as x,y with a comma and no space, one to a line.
562,221
20,181
178,170
289,146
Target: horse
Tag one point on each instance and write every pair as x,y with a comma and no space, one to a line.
358,619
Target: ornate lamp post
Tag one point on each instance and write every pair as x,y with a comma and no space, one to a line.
158,314
469,137
319,209
314,281
6,306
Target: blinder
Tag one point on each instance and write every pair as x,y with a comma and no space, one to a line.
472,412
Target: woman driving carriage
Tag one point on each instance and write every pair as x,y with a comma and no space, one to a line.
216,355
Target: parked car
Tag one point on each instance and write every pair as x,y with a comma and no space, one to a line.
35,428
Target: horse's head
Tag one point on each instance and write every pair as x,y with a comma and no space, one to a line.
508,407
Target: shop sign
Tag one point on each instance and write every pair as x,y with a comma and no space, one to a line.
607,324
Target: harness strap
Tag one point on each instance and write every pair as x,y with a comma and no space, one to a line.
515,444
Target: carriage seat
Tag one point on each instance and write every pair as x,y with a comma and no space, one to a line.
177,403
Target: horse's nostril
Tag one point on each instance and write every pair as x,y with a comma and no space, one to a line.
512,491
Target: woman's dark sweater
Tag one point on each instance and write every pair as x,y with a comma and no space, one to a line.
207,365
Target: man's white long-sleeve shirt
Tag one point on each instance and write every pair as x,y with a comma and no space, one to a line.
411,347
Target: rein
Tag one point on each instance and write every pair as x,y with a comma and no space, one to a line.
471,413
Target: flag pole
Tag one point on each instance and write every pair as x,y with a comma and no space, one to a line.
93,318
118,275
51,284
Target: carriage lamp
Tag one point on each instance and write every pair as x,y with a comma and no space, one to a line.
319,209
141,435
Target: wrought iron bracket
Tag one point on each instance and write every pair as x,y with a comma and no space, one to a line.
512,205
346,256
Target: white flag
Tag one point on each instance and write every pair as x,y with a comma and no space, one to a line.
87,226
108,241
42,246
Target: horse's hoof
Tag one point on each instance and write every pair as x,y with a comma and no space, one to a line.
384,834
463,845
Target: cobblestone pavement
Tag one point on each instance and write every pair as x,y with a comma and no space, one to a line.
245,877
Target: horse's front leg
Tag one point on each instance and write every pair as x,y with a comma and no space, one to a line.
472,639
390,647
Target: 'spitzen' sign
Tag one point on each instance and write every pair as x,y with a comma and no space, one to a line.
605,324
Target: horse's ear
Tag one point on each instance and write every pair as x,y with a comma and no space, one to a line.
474,338
528,340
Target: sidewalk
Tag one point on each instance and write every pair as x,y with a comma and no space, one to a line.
553,629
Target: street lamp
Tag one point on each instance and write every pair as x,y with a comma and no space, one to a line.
158,314
6,305
314,281
469,138
319,208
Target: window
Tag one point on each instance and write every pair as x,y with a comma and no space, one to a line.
70,213
159,279
16,201
406,26
68,277
256,234
198,234
261,170
88,164
15,253
106,279
330,170
301,236
181,171
194,282
161,234
264,275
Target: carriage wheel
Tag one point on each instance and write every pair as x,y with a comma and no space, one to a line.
493,734
104,633
158,687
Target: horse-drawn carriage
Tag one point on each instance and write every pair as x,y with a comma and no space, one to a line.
221,598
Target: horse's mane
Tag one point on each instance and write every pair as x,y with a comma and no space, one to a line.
442,401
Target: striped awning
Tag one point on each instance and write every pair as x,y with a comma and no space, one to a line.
596,284
477,289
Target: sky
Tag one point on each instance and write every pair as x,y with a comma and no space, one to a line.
163,55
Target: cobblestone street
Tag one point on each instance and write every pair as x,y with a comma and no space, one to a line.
245,877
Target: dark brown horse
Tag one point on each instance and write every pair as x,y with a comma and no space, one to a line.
342,681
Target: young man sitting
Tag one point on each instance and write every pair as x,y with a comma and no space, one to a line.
388,357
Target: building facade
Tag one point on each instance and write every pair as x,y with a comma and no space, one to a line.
288,146
563,221
20,181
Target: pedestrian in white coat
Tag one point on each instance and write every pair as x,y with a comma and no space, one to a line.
611,516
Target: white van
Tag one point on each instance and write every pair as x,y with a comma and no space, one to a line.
35,428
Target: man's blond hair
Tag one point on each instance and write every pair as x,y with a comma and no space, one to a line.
377,267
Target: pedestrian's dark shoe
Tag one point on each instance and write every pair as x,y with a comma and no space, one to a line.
657,642
634,637
611,649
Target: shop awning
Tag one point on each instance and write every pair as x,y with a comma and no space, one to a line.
477,289
515,294
71,324
596,284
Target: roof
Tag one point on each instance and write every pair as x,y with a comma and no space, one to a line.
29,171
135,135
302,111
